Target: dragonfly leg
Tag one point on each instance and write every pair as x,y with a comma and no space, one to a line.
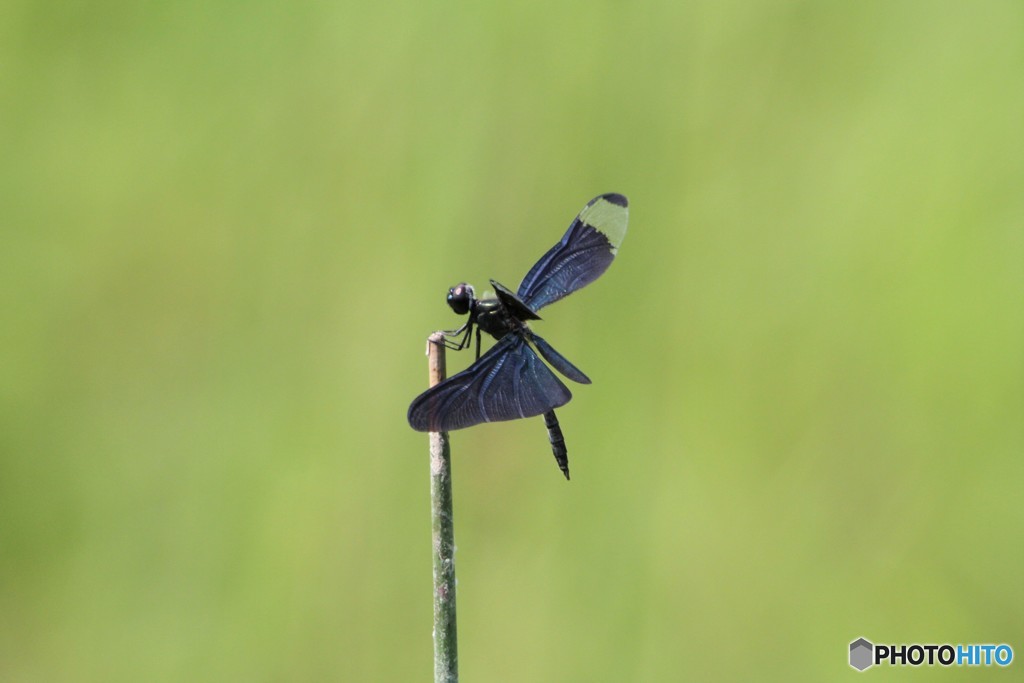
457,331
466,330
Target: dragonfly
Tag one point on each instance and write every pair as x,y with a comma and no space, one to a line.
510,381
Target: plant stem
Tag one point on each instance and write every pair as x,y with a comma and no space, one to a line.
446,650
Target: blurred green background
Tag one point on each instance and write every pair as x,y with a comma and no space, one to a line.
227,229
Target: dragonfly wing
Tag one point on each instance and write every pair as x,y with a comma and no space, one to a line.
584,253
558,361
507,383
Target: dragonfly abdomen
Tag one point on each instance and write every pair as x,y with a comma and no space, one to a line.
557,442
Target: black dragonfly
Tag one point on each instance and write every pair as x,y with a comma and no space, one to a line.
510,382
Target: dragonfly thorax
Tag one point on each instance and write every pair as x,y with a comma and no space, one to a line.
491,316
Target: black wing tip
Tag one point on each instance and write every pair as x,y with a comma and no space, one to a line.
418,419
613,198
416,424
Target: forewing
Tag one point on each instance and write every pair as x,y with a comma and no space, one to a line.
584,253
509,382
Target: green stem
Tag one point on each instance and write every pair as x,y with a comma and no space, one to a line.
446,650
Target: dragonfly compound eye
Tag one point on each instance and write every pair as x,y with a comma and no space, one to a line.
460,297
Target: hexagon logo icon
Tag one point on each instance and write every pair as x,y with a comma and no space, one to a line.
861,654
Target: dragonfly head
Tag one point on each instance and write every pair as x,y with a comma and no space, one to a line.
460,298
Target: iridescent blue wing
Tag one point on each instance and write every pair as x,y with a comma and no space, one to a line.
507,383
557,360
586,250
